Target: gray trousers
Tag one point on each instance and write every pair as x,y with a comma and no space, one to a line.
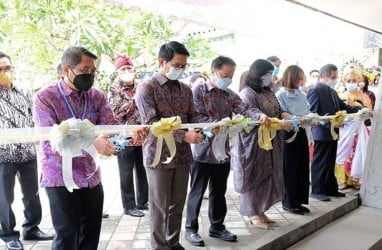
167,195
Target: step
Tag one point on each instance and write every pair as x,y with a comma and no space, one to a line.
361,229
299,229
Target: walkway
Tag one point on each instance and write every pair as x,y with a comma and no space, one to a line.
121,232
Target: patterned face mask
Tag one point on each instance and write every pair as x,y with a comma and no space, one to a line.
6,79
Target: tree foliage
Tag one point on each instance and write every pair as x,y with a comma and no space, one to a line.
35,33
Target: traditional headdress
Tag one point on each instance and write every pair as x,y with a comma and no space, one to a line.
352,69
122,60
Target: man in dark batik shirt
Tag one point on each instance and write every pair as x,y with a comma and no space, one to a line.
158,97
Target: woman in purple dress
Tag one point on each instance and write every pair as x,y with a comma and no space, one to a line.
258,173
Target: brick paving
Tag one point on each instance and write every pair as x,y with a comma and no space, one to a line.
121,232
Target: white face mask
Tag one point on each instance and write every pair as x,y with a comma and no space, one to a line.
174,74
126,77
361,85
267,80
332,83
351,86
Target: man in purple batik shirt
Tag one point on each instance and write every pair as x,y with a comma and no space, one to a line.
76,215
158,97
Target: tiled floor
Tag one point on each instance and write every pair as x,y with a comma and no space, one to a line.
121,232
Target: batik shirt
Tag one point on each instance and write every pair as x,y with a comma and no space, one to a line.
16,112
49,108
158,98
124,108
215,104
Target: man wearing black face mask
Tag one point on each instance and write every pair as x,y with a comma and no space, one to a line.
76,215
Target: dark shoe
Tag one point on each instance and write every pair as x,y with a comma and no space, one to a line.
194,239
294,210
304,209
177,247
223,235
320,197
338,194
143,207
134,212
15,245
105,215
37,234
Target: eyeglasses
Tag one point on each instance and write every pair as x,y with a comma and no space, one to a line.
87,71
6,68
179,66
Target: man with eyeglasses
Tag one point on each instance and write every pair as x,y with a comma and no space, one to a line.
161,96
76,215
17,159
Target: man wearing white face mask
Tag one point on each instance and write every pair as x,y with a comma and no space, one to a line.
324,100
214,101
130,158
161,96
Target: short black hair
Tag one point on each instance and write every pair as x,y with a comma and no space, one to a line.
273,59
314,71
2,55
168,50
72,55
219,61
327,70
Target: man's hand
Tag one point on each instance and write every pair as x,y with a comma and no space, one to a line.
193,137
104,146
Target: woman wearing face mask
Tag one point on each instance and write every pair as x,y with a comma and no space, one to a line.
296,153
130,158
258,173
354,135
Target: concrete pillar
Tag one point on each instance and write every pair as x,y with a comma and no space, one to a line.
371,188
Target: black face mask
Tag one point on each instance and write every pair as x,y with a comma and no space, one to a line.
83,82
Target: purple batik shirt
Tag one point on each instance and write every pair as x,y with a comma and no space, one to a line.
158,98
49,108
215,104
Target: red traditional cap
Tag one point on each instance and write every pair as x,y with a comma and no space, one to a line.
122,60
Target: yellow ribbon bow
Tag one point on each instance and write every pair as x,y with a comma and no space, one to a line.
267,132
337,122
163,129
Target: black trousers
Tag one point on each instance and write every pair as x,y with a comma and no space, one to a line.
76,217
214,175
129,159
27,175
296,169
322,169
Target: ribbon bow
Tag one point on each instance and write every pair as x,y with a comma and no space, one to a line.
336,122
163,129
69,139
228,128
267,132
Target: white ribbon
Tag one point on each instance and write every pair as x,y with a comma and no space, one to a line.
69,139
228,129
